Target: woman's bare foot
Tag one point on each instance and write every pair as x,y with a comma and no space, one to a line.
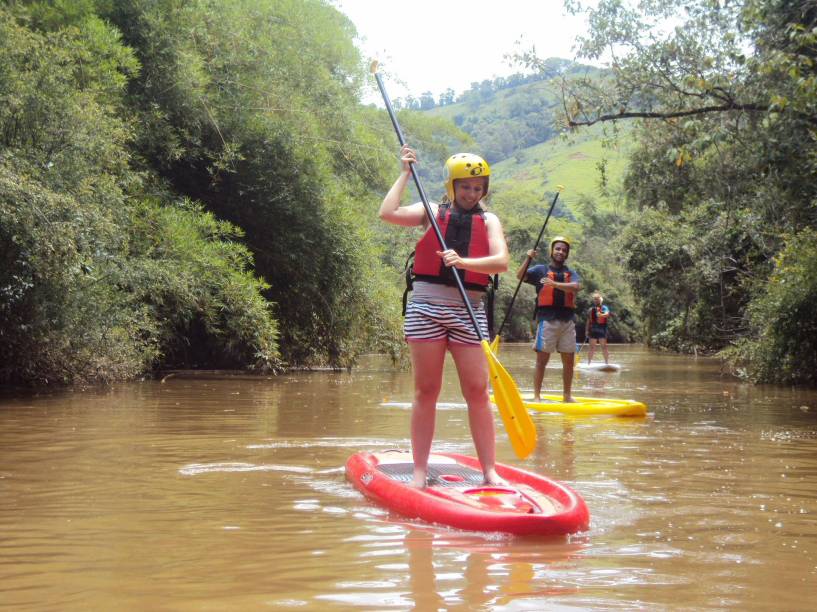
420,479
492,478
568,400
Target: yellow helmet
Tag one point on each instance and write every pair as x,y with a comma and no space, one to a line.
559,239
464,165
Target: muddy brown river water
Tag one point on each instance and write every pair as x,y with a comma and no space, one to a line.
229,494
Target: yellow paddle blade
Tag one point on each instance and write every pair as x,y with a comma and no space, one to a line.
495,345
518,424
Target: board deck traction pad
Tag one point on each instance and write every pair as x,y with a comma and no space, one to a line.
404,472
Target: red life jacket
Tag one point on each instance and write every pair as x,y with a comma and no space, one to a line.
600,315
463,231
549,296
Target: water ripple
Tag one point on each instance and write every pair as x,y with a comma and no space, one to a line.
194,469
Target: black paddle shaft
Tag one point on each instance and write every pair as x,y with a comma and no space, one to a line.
527,263
427,206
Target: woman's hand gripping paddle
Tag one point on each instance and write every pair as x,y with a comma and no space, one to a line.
515,416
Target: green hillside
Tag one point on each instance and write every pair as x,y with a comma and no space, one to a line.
515,128
583,164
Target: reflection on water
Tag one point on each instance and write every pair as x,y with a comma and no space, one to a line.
230,494
479,571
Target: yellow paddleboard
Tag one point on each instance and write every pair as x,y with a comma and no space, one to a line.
586,406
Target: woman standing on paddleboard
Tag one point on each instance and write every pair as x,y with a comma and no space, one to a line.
436,318
596,327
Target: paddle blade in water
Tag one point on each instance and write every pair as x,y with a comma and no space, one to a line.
515,416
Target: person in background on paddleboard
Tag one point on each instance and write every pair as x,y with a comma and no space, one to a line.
436,318
596,327
556,287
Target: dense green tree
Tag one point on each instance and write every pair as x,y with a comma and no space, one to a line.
447,97
427,100
82,296
252,108
782,344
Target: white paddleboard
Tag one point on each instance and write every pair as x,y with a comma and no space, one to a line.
599,366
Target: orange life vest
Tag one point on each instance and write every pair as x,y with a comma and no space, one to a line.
549,296
600,315
463,231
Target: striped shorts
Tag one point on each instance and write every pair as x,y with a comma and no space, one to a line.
429,322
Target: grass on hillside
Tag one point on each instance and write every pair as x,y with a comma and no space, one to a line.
498,102
572,162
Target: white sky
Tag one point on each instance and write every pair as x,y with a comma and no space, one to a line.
432,45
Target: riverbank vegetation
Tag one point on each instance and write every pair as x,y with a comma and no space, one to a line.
721,186
183,184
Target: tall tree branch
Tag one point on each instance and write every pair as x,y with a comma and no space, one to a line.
571,122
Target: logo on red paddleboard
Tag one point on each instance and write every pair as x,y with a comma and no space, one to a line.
366,478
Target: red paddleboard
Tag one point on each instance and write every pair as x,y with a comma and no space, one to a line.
457,496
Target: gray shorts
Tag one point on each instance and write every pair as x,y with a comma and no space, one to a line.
555,336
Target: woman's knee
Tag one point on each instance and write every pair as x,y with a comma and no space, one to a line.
476,390
427,389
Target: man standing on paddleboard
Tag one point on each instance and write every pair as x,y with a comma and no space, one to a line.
556,287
